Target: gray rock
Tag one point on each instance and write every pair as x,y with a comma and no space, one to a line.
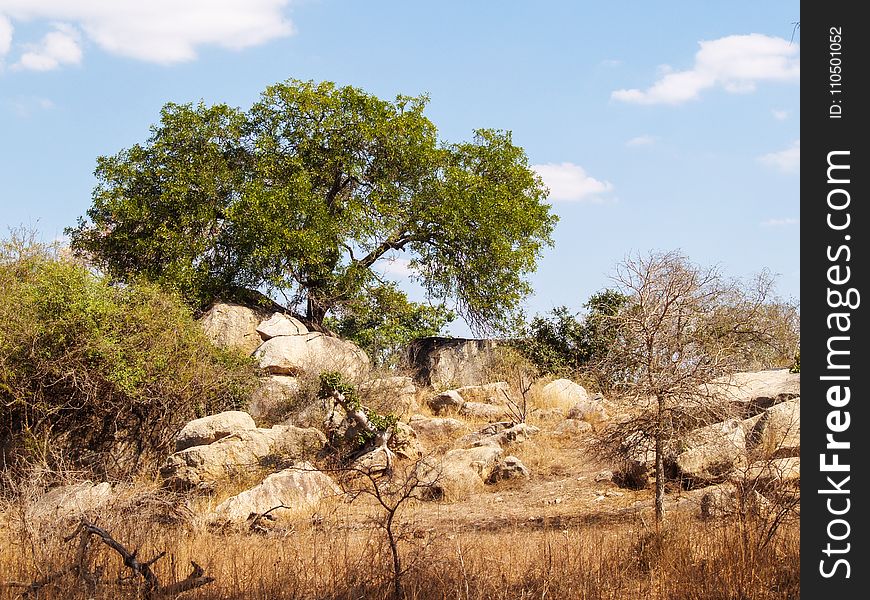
460,473
299,488
404,442
491,394
311,353
280,324
563,394
509,468
591,410
69,502
212,428
446,362
232,326
273,397
483,412
435,428
712,452
777,431
774,471
752,392
202,467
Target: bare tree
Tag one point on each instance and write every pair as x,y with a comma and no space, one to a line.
682,327
392,490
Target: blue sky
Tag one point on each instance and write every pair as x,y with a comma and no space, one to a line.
656,125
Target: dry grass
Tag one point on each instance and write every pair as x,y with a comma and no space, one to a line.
343,557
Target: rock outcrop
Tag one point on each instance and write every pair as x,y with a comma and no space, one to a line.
232,326
461,472
777,431
753,392
397,394
299,488
448,362
712,452
211,428
280,324
202,467
311,353
484,402
273,397
562,394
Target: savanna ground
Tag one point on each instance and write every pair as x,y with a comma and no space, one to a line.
560,535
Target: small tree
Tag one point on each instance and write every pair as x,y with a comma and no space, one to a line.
681,327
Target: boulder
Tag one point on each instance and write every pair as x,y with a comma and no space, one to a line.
509,468
446,362
483,412
478,401
69,502
398,395
434,428
404,442
202,467
751,393
774,471
273,397
311,353
296,489
777,431
719,501
591,410
515,434
280,324
460,473
562,394
712,452
212,428
232,326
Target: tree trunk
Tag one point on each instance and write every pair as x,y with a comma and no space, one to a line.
660,467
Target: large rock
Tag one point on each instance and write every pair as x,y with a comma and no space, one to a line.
448,362
509,468
591,410
273,397
562,394
453,401
436,428
396,395
69,502
202,467
404,442
774,471
777,431
296,489
513,434
480,411
712,452
280,324
460,473
212,428
751,393
311,353
232,326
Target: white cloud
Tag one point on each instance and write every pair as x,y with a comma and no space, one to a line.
59,47
736,63
570,183
5,36
641,140
611,62
397,266
779,115
25,106
786,222
161,31
788,160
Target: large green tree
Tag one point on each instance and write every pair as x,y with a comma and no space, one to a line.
305,192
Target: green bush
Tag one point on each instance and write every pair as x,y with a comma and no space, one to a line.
96,376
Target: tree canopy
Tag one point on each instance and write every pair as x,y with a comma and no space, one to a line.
303,193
